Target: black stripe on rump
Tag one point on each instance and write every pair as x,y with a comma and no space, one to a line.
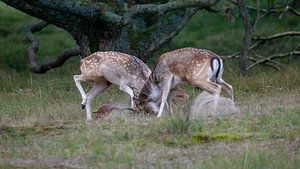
219,66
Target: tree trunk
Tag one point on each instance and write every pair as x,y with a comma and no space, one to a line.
247,36
296,3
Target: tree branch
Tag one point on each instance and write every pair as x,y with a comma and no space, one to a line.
278,35
280,55
57,12
294,11
262,60
59,61
167,7
273,63
278,9
61,58
261,40
29,30
231,56
267,63
170,6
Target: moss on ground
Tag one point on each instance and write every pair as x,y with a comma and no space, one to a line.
206,137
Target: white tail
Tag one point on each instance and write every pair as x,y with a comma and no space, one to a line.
106,68
201,68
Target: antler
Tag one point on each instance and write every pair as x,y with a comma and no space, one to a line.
107,108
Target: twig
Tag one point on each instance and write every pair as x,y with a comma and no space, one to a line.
284,11
294,11
234,55
260,41
237,54
278,35
275,63
61,58
264,59
267,63
279,9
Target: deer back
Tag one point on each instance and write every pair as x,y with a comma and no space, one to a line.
185,64
115,67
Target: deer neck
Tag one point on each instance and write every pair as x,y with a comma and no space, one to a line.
152,90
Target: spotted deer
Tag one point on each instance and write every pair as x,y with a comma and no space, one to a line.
105,68
199,67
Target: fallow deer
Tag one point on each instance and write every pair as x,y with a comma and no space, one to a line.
106,68
199,67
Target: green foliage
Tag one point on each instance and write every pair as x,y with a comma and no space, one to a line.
205,138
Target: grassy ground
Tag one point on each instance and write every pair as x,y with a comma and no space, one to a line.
42,125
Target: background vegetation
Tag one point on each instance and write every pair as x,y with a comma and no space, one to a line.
42,125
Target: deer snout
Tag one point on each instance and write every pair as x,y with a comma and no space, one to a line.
151,108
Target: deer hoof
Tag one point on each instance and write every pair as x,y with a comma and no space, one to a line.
82,106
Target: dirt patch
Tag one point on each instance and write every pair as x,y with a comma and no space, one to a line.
51,162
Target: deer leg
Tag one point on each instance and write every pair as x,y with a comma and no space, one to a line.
97,88
169,106
169,102
211,87
129,91
165,94
227,87
78,79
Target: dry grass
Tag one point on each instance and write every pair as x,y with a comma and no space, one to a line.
44,127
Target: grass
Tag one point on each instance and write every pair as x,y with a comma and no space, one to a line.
43,126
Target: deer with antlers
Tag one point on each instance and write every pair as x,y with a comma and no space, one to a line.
199,67
106,68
